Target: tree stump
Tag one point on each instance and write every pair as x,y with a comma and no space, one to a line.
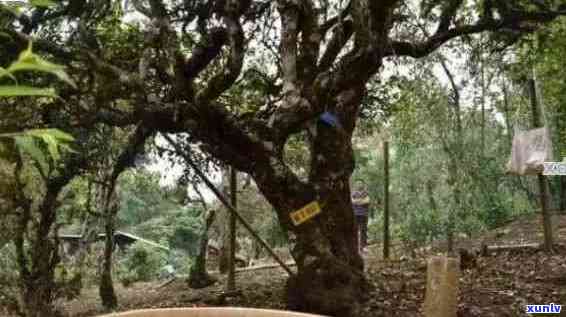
441,298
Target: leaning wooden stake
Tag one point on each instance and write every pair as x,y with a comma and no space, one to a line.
228,206
441,298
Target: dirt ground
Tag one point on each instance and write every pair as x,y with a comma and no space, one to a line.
500,284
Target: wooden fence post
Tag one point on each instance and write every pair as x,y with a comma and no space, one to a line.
544,190
231,285
386,236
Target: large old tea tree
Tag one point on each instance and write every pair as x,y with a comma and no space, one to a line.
240,77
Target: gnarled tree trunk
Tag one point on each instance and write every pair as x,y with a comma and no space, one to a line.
106,289
199,277
38,257
330,277
37,283
111,205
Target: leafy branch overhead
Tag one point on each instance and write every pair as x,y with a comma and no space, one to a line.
29,61
316,58
36,142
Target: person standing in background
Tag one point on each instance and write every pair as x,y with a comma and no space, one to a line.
360,204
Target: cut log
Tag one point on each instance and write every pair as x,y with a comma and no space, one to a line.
513,247
264,267
510,247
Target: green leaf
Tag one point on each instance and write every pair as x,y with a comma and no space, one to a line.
28,61
65,147
58,134
42,3
52,146
12,8
41,65
56,142
54,139
15,91
4,72
27,144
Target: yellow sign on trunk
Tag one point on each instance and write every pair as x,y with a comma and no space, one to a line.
305,213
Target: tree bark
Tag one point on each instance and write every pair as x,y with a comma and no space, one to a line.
330,278
38,285
199,277
37,296
38,257
111,204
106,289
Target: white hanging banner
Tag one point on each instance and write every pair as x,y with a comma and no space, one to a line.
531,149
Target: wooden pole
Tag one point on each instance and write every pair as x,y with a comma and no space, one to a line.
542,182
232,259
482,131
386,236
225,202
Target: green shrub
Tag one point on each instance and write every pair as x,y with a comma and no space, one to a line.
181,261
141,263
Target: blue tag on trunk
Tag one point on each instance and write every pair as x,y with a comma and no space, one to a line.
330,119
